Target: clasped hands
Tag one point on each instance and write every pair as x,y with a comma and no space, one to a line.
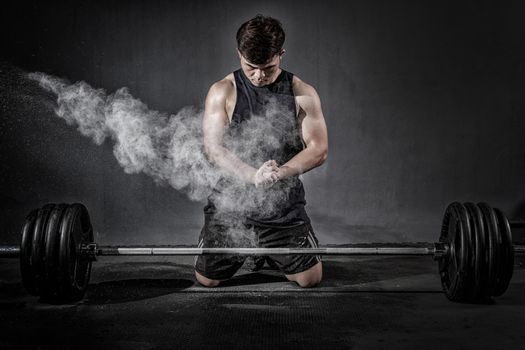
267,175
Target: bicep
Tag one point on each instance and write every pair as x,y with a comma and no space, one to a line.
313,126
215,119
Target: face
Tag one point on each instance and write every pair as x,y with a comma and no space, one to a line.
262,74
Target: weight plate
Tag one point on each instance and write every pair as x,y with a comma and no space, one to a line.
74,270
466,280
479,255
447,265
494,250
25,252
508,264
501,253
38,245
49,287
454,268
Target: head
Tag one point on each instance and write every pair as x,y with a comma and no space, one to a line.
260,47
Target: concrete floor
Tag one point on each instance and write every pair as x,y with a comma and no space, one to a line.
363,303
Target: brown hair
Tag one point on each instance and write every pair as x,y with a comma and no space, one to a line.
260,38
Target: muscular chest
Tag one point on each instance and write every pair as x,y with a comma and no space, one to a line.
232,99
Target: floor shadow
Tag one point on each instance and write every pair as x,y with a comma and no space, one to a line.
253,278
11,290
113,292
340,273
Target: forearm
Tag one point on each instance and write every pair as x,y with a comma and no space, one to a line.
302,162
231,164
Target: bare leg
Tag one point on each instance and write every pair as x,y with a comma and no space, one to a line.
206,282
308,278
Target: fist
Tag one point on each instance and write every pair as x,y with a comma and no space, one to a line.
266,175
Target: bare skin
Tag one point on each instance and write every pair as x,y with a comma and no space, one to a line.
219,106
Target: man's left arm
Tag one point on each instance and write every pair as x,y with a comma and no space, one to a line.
314,133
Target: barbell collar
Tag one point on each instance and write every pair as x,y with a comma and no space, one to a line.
9,251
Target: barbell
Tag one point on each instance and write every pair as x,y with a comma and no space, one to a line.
475,252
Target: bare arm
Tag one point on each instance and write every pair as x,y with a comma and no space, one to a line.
215,122
314,133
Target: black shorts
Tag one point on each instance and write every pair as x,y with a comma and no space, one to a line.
221,267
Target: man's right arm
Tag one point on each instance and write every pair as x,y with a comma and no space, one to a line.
214,124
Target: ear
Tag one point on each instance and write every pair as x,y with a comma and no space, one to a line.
239,53
281,53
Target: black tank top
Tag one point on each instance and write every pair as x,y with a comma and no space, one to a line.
264,126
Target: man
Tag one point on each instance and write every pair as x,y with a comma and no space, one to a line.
265,199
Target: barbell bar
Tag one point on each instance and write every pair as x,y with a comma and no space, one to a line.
92,250
401,249
475,251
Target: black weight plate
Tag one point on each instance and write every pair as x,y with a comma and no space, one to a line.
38,245
49,283
488,257
74,270
508,265
64,285
83,235
453,268
479,256
466,281
25,252
447,265
448,229
500,252
502,255
494,240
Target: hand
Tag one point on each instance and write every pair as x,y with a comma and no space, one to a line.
283,172
266,175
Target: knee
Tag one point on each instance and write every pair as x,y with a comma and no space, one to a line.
308,282
310,278
206,282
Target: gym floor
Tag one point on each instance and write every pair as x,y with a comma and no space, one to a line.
363,303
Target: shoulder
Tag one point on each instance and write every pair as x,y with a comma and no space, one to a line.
305,94
222,96
223,88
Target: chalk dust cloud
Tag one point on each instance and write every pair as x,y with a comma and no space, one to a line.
169,147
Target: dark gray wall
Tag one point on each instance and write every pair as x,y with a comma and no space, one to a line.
423,101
